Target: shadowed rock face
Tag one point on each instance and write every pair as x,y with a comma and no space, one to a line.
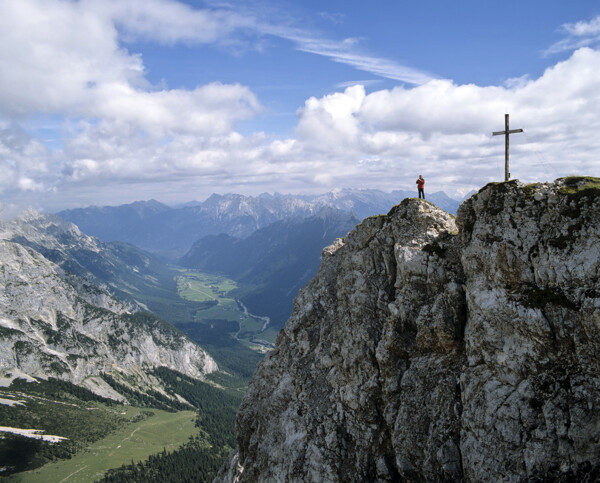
429,350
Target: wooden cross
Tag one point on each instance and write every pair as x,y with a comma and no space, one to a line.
507,132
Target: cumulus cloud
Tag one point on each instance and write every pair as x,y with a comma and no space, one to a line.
207,110
445,129
23,159
66,59
170,22
326,122
354,138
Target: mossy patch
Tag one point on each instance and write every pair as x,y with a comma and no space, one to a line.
494,203
428,202
572,210
578,187
564,241
502,186
530,190
578,181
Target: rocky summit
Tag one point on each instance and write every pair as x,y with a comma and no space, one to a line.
430,348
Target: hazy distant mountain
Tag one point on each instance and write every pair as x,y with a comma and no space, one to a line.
274,262
172,231
368,202
115,223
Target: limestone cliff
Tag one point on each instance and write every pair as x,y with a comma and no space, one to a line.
434,349
56,324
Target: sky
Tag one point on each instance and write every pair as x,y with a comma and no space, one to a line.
106,102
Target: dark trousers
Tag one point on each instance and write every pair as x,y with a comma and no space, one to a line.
421,192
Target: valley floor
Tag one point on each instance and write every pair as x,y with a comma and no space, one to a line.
135,441
250,330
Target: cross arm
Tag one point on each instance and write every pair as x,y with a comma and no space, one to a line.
512,131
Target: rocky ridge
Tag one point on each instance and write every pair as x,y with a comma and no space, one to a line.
56,324
120,269
435,349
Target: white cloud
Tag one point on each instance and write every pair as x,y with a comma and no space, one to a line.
124,136
9,211
445,129
206,110
349,138
330,120
52,53
578,35
580,29
28,184
64,58
171,22
22,160
346,52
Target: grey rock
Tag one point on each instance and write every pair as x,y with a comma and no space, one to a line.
55,324
434,349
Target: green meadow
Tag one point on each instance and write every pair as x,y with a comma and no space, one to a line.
134,441
197,286
201,287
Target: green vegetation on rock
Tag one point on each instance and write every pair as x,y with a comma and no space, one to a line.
578,187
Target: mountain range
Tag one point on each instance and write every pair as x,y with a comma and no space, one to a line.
270,244
81,356
273,263
171,231
80,314
427,347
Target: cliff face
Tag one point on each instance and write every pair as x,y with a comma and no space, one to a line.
56,324
432,350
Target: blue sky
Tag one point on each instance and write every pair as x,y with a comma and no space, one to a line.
113,101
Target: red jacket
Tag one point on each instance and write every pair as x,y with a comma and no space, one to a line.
420,183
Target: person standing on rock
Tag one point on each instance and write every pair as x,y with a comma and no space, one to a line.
421,187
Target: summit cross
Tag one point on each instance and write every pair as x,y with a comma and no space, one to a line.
507,132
